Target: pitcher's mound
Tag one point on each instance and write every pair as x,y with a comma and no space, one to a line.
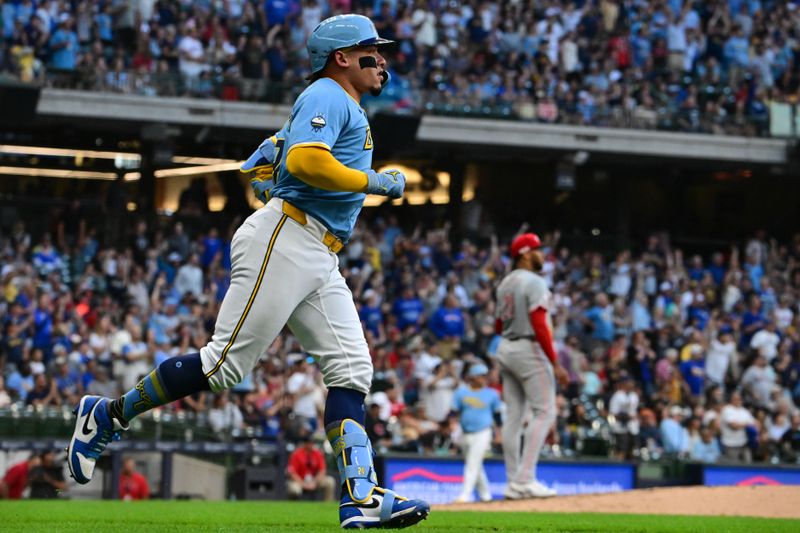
763,501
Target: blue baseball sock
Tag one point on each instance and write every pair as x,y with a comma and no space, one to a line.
341,404
173,379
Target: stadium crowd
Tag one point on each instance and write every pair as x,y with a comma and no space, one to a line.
711,66
690,357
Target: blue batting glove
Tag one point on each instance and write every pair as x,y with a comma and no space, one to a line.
261,188
389,183
264,156
261,165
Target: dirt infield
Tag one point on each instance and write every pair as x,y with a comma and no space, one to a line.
762,501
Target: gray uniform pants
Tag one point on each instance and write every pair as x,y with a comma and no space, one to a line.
529,395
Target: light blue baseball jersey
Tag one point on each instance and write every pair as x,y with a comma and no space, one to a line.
325,115
476,407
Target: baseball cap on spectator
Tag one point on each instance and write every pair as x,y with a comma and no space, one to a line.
665,286
63,17
174,256
676,410
477,370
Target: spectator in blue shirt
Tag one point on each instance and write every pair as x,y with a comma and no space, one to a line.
43,326
68,382
717,268
600,318
737,49
755,271
408,309
277,11
221,281
104,23
674,436
752,320
46,258
64,45
706,449
695,269
698,313
89,371
15,341
212,245
693,371
447,323
642,320
20,382
8,14
371,315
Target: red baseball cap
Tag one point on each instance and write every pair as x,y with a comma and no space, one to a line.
524,243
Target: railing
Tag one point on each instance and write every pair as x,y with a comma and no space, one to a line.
400,97
58,423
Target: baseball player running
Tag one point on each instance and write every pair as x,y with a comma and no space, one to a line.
528,365
285,271
477,405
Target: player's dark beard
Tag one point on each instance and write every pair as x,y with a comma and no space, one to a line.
371,62
537,263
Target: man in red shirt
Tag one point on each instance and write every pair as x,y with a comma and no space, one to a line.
307,472
132,484
16,478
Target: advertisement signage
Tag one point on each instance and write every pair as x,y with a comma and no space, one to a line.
715,475
439,480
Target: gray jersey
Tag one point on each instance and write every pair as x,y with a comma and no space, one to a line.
520,292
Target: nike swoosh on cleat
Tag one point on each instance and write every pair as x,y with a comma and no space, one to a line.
85,429
373,504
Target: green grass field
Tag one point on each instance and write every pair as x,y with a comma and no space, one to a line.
169,516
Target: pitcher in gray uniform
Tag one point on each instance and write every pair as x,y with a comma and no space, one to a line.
528,365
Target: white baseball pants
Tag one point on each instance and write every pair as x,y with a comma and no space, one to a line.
474,447
529,392
282,274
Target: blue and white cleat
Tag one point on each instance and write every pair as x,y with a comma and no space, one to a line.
364,504
93,431
384,509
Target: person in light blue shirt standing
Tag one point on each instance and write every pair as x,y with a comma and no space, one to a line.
673,433
600,318
707,448
478,407
64,44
